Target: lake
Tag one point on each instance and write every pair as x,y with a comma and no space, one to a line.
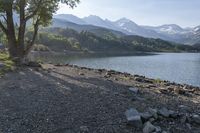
175,67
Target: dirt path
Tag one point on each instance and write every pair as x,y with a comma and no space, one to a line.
66,99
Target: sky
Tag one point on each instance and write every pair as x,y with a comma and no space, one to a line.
185,13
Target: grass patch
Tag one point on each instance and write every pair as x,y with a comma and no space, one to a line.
125,78
158,81
8,64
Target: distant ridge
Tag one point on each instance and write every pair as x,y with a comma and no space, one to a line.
169,32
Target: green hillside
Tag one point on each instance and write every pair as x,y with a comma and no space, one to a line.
60,40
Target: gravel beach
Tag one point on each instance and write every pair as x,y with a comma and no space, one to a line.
72,99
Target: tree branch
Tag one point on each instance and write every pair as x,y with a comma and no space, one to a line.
4,29
29,47
34,12
5,19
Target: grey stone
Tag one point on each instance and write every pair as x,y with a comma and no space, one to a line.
189,126
146,116
158,129
173,114
84,129
33,64
196,119
183,119
164,112
154,112
149,128
133,117
152,119
184,108
134,90
137,98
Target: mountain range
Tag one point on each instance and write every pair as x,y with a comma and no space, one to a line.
124,26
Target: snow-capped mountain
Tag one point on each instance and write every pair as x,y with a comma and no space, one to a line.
97,21
127,25
169,29
169,32
133,29
196,30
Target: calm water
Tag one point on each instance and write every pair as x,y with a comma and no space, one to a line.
175,67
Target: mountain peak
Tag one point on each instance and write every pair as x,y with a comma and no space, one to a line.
125,20
93,17
175,26
70,18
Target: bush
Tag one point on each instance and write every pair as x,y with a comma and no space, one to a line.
40,47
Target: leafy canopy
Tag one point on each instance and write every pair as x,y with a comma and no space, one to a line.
34,9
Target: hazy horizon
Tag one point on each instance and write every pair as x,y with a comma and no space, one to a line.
143,12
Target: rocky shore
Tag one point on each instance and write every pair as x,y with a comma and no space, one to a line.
71,99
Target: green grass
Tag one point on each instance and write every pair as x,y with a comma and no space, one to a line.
9,64
158,81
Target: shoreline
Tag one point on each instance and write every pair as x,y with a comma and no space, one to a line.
138,77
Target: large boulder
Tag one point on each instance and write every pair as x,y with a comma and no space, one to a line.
133,117
149,128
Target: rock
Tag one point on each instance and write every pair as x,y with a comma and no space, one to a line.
154,112
174,114
133,117
81,74
183,108
170,88
183,119
58,65
164,112
136,98
164,90
196,119
189,126
158,129
33,64
179,91
149,128
84,129
152,119
146,116
138,79
134,90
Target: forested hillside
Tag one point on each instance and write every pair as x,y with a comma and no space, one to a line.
60,40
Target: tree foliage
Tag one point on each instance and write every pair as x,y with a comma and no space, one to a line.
38,12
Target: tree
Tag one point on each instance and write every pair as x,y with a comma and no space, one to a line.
38,12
